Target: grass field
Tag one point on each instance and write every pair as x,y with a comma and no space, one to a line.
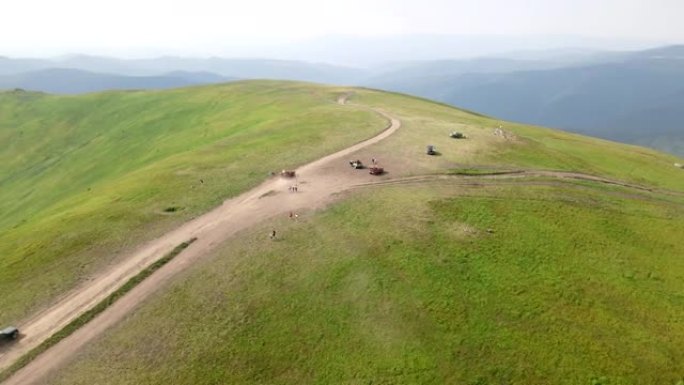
526,281
526,284
86,179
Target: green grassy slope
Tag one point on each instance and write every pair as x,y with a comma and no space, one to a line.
405,284
85,179
575,282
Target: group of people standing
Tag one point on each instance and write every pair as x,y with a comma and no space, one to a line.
293,215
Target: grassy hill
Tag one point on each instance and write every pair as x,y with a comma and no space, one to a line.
86,179
405,285
439,278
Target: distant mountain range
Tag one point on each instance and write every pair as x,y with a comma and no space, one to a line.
232,68
71,81
630,97
634,97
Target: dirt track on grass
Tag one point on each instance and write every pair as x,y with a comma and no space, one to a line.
522,174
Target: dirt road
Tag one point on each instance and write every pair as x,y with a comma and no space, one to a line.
317,183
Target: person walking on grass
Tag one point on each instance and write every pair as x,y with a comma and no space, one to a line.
273,234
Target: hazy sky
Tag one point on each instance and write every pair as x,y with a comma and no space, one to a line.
50,27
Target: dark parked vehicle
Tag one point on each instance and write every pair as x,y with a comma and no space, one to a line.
9,333
376,170
431,150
